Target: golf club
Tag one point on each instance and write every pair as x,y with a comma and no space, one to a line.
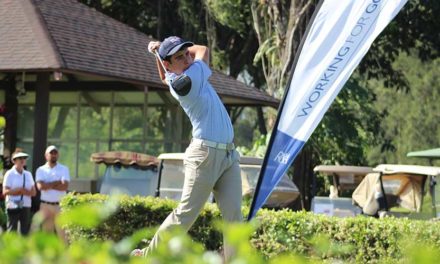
181,84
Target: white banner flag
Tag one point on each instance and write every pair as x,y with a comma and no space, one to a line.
337,39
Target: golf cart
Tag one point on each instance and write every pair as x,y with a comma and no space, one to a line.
396,190
171,177
127,172
344,179
431,155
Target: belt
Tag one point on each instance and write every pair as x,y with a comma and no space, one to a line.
212,144
52,203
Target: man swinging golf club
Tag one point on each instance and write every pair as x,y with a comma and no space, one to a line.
211,161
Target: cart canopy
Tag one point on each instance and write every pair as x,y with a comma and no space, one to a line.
402,185
429,154
348,177
124,158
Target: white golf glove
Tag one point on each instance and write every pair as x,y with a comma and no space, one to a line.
153,46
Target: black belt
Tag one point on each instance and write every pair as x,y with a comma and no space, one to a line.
52,203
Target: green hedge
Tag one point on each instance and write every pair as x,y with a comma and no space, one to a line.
360,239
135,213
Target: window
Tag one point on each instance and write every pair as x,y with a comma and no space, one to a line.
81,123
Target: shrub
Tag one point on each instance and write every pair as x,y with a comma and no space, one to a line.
135,213
360,239
3,218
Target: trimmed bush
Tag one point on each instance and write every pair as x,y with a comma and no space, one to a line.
365,239
360,239
137,212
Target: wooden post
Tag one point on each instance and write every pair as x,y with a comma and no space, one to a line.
11,121
178,129
41,120
145,121
302,177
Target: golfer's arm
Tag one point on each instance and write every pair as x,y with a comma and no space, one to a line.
161,71
199,52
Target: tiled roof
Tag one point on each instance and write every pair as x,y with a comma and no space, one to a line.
49,34
22,45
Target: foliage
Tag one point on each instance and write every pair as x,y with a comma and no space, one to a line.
258,149
3,217
279,26
276,237
175,246
245,132
231,14
360,239
415,28
410,118
136,213
348,128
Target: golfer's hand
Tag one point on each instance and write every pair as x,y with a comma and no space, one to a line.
153,46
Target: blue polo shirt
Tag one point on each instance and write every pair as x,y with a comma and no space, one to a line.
202,105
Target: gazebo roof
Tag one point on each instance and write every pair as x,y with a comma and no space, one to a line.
41,35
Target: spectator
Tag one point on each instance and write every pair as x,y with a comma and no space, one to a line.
52,180
18,187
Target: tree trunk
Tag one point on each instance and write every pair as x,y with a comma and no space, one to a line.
59,125
303,176
261,122
279,27
160,24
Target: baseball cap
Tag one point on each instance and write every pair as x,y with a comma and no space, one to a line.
19,155
171,45
50,149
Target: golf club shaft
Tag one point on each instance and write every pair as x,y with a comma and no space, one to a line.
160,60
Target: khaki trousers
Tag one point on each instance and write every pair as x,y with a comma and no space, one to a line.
50,212
206,169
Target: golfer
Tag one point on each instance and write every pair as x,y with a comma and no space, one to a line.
211,161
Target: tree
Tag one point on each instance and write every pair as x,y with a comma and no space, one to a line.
411,117
280,26
415,30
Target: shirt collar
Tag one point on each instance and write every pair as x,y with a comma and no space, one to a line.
47,165
16,171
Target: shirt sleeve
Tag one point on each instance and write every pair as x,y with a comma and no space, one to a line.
39,175
30,179
66,175
7,180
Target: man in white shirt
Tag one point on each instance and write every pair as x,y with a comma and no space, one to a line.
52,180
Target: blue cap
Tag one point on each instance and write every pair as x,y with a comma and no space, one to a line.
171,45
